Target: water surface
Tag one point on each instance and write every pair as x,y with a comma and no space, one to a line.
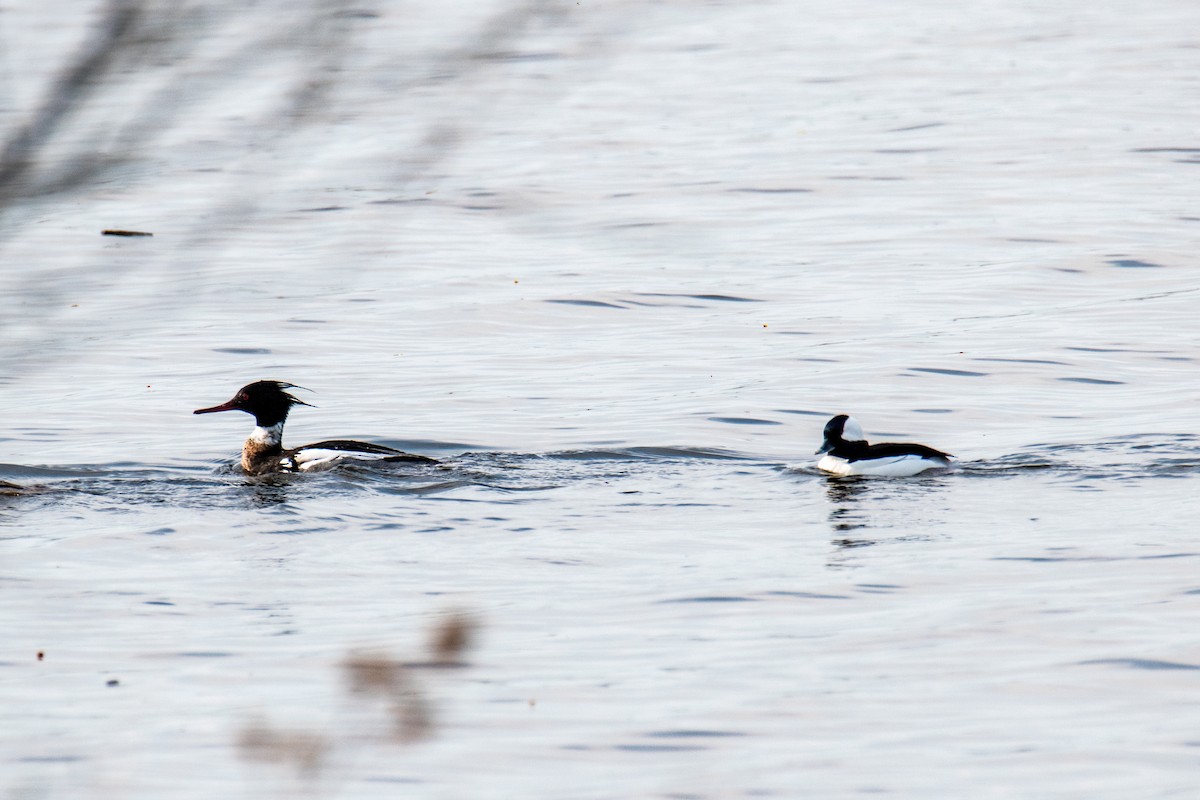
615,265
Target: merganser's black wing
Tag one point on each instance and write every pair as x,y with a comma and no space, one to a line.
320,454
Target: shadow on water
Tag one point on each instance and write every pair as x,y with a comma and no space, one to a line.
127,484
1082,467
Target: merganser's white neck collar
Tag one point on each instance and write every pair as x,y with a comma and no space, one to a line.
267,437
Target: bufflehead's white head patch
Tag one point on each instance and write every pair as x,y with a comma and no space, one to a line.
841,428
851,430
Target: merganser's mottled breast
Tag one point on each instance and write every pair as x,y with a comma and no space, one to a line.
269,403
847,453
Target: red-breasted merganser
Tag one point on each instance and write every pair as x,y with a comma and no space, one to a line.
263,452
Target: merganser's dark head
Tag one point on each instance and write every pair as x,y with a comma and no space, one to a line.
839,430
265,400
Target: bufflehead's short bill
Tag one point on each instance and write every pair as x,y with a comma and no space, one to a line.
847,453
269,404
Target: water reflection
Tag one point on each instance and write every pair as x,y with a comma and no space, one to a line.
268,492
897,506
845,494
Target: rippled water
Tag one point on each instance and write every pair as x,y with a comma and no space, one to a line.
614,265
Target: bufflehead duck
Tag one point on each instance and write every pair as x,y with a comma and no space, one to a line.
263,452
847,453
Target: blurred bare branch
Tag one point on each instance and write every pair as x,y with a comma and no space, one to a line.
175,87
114,36
135,39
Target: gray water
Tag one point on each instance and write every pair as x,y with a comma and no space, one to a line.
615,263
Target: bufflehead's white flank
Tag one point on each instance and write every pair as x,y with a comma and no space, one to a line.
263,452
847,453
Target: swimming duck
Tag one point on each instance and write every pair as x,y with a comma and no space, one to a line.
847,453
269,403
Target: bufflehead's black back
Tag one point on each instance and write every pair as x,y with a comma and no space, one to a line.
847,453
269,404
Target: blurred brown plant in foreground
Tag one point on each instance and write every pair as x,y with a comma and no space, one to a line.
260,742
375,675
452,638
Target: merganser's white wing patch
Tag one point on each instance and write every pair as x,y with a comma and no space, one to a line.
317,458
902,466
310,460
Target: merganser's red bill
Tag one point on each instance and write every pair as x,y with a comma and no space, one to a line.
232,405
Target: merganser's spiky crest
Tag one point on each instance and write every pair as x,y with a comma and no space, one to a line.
266,401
